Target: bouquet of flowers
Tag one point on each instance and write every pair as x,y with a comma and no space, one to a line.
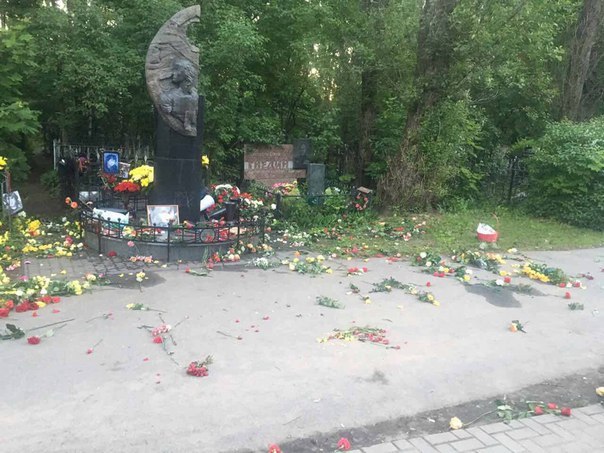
126,187
142,175
224,192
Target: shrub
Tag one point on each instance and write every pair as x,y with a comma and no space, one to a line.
566,174
50,181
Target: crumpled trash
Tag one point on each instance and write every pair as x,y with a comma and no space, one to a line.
486,233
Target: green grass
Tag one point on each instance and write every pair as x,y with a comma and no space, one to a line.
456,231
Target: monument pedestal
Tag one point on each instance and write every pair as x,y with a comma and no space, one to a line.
178,172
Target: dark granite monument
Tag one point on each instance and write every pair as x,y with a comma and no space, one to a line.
172,73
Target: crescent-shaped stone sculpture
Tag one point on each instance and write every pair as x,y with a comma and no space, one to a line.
172,72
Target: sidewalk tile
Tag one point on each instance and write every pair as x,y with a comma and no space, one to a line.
584,417
422,445
509,443
440,438
531,446
446,448
592,410
549,440
522,433
386,447
598,417
495,428
467,445
537,427
547,418
462,434
482,436
573,424
494,449
403,444
558,429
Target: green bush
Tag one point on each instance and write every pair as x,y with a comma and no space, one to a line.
50,181
566,174
17,162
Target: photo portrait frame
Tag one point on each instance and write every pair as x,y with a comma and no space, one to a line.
12,203
111,162
124,171
162,215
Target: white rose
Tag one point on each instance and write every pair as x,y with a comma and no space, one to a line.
273,206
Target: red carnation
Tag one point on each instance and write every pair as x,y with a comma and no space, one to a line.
538,410
33,340
567,295
552,406
111,253
577,284
9,304
428,284
158,339
507,279
274,448
344,444
565,411
365,270
4,312
562,285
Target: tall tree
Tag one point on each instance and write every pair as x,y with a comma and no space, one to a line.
403,181
580,58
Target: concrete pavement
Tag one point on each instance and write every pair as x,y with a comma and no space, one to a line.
277,383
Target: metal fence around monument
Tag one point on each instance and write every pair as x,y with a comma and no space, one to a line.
202,234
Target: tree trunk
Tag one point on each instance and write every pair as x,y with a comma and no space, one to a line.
403,183
373,9
367,122
581,47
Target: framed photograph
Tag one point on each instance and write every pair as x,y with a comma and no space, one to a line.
124,170
162,215
11,202
111,162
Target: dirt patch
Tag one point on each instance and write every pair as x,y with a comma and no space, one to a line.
573,391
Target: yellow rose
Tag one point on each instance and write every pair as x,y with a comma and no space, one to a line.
455,423
600,391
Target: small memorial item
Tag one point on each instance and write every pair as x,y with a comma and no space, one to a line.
111,163
124,170
162,215
88,196
12,203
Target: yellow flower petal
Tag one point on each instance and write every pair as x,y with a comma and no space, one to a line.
455,423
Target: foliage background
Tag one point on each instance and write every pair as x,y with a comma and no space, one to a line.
350,75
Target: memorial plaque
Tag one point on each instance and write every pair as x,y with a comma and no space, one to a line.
269,165
316,179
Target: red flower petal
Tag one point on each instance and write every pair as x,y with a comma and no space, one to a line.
33,340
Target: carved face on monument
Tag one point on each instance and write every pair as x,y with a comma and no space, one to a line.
183,74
